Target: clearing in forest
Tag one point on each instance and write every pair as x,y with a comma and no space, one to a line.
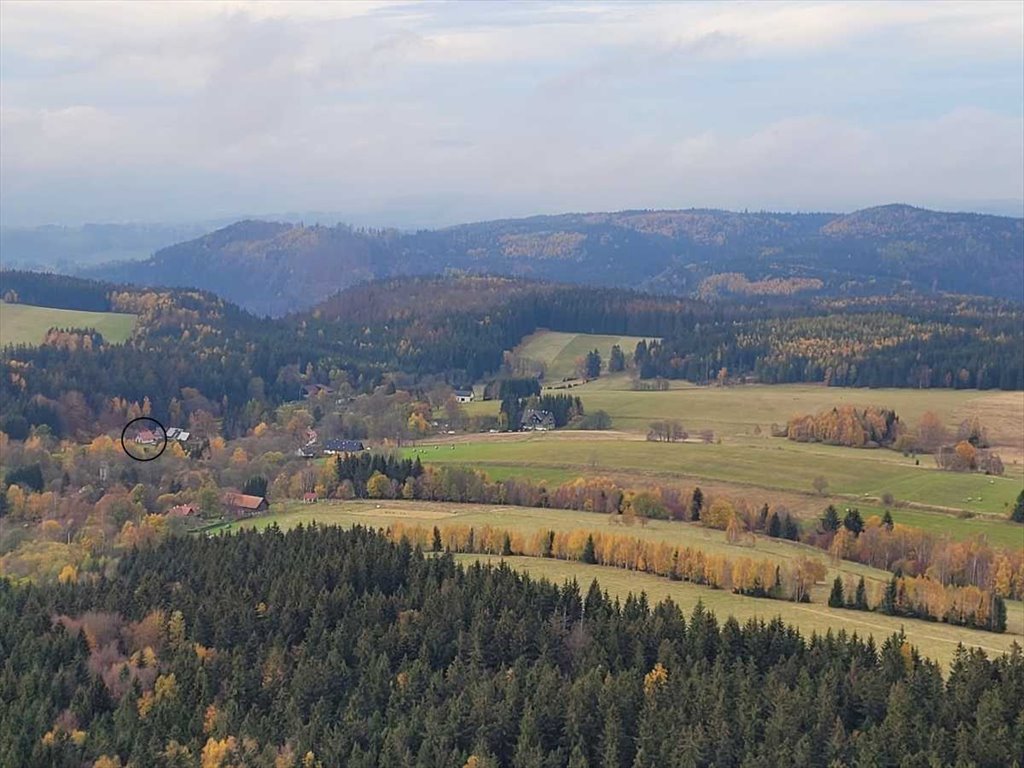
26,324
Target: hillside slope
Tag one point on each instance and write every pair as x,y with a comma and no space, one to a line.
278,268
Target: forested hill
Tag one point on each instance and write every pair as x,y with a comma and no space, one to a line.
277,268
323,647
192,351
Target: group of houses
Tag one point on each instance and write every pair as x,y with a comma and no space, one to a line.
235,505
152,436
330,447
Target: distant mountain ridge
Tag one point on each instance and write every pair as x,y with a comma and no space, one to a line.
276,268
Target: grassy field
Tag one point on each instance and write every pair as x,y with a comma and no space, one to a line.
25,324
559,351
938,639
740,411
770,463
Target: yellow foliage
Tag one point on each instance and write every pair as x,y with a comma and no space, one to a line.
217,751
719,515
68,574
104,761
656,679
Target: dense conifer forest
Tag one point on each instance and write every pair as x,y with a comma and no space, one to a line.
330,647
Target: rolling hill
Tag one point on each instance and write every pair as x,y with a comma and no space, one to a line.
276,268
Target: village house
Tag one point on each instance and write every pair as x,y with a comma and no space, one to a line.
336,446
464,395
535,420
244,505
183,510
146,437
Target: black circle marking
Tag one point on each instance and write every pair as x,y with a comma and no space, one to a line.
162,431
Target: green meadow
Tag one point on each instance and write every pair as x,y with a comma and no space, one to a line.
769,463
25,324
560,351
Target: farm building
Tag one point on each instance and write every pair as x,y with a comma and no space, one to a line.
183,510
537,420
337,446
244,505
464,395
176,433
309,498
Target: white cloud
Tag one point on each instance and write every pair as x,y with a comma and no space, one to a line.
505,107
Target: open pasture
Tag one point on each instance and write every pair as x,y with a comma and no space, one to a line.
748,410
770,463
25,324
560,351
936,640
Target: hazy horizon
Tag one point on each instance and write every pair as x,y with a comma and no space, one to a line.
417,115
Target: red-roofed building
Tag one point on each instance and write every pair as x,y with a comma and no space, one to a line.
244,505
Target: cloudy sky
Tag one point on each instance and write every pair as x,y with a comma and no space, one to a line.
425,114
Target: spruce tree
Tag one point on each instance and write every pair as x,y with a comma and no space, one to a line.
436,545
774,526
506,546
888,604
696,504
998,621
853,522
835,599
589,555
1018,509
830,519
860,599
887,520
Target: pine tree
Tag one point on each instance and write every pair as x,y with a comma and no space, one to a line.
998,621
1018,509
888,604
835,599
589,555
696,504
830,519
853,521
529,752
860,599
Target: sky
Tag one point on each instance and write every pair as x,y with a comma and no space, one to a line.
427,114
